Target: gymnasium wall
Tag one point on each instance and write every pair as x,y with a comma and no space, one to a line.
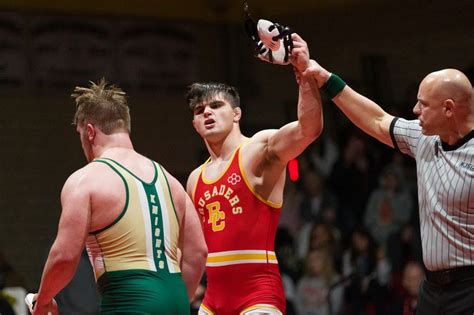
383,50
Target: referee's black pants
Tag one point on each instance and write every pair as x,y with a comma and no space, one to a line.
447,295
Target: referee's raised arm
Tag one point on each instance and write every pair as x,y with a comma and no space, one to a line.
363,112
441,140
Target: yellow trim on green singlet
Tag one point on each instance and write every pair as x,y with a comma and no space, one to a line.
153,181
127,196
150,216
169,192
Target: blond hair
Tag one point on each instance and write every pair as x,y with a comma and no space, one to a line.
328,272
103,105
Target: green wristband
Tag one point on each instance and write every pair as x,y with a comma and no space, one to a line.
333,86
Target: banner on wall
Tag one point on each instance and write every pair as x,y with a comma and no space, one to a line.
156,57
13,59
67,52
56,52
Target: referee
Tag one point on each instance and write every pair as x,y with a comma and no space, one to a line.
441,142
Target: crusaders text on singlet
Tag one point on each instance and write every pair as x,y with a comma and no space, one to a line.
239,228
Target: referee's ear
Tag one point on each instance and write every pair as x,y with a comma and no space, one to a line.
448,107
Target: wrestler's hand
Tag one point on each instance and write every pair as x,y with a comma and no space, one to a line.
300,53
50,308
317,72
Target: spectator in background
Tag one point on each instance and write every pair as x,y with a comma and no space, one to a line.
378,292
317,291
359,263
404,246
313,206
315,198
323,154
318,236
290,266
286,255
405,169
388,208
349,182
290,217
413,275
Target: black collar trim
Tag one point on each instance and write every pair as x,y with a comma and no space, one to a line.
461,142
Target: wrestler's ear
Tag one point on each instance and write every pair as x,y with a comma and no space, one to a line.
237,114
91,132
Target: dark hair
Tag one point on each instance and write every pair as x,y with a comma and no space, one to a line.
200,92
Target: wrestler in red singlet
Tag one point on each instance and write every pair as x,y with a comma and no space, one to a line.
239,191
239,228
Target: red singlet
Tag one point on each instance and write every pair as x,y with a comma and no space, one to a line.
239,227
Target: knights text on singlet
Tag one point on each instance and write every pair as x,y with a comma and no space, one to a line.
135,259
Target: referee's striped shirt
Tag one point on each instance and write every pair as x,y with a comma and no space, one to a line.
445,193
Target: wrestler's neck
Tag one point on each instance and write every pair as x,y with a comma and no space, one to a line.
223,149
109,145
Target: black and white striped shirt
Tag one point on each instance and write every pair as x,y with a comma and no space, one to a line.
445,194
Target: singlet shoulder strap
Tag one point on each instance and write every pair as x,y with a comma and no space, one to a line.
202,177
153,181
247,181
165,186
126,194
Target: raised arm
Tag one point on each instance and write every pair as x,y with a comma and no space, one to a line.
292,139
363,112
67,248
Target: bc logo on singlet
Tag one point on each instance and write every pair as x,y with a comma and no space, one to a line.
216,216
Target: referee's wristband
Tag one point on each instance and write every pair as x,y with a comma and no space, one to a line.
333,86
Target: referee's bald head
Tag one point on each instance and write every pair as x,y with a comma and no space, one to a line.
450,84
445,104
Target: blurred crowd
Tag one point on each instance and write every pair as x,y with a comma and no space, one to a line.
349,241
